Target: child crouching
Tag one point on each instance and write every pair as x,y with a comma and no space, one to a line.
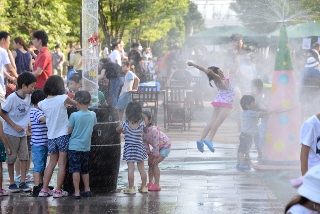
160,143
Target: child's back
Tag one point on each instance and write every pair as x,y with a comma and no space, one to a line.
56,115
82,123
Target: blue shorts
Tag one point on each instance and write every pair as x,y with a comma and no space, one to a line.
124,100
3,154
164,152
59,144
78,161
39,157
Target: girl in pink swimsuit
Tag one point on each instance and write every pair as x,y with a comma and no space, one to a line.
222,105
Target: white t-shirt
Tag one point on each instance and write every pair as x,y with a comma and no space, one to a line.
105,52
18,109
115,55
248,73
4,60
56,115
310,136
128,82
299,209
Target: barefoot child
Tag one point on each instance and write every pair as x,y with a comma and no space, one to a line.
134,150
222,104
55,111
160,143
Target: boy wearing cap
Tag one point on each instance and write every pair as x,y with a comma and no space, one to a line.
81,125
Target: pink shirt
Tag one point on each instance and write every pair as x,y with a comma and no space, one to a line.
156,139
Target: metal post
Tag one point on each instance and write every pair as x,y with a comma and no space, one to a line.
90,49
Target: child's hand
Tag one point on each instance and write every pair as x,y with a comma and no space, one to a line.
190,64
150,160
9,152
18,128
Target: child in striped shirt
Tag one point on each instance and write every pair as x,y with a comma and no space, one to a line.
39,140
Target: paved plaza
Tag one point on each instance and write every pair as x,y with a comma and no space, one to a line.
192,182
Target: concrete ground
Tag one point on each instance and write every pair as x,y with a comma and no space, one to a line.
192,182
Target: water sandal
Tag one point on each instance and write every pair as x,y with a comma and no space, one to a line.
200,146
209,144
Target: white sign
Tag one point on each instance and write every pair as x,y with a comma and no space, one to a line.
306,43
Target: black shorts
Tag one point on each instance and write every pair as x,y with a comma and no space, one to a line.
246,141
78,161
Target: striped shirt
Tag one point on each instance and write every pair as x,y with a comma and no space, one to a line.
39,129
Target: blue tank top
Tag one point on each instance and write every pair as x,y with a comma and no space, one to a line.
22,61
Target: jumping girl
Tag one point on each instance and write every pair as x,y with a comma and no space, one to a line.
222,104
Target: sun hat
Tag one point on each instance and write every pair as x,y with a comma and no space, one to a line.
310,185
311,62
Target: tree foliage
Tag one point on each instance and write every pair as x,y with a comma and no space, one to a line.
147,21
193,20
264,16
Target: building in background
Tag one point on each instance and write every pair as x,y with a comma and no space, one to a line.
217,12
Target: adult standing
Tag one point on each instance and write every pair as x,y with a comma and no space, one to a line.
315,51
5,64
22,56
115,55
105,52
57,61
42,68
135,57
232,67
76,60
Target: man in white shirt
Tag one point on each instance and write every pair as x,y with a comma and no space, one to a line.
115,55
5,64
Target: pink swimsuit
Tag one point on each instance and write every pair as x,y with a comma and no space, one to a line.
225,97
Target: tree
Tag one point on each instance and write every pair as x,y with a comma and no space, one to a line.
24,17
142,20
193,20
265,16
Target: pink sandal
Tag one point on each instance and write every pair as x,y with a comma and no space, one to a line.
154,187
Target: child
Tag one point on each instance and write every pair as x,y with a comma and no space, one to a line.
222,104
39,140
3,146
74,84
309,138
308,200
80,127
249,130
15,112
131,83
57,122
134,150
256,92
161,148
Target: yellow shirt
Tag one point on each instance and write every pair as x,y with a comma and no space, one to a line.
76,61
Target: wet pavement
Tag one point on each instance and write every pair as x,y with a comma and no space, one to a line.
192,182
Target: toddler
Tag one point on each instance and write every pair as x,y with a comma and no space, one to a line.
160,143
134,150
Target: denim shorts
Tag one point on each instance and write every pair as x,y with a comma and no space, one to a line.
59,144
78,161
164,152
39,157
124,100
